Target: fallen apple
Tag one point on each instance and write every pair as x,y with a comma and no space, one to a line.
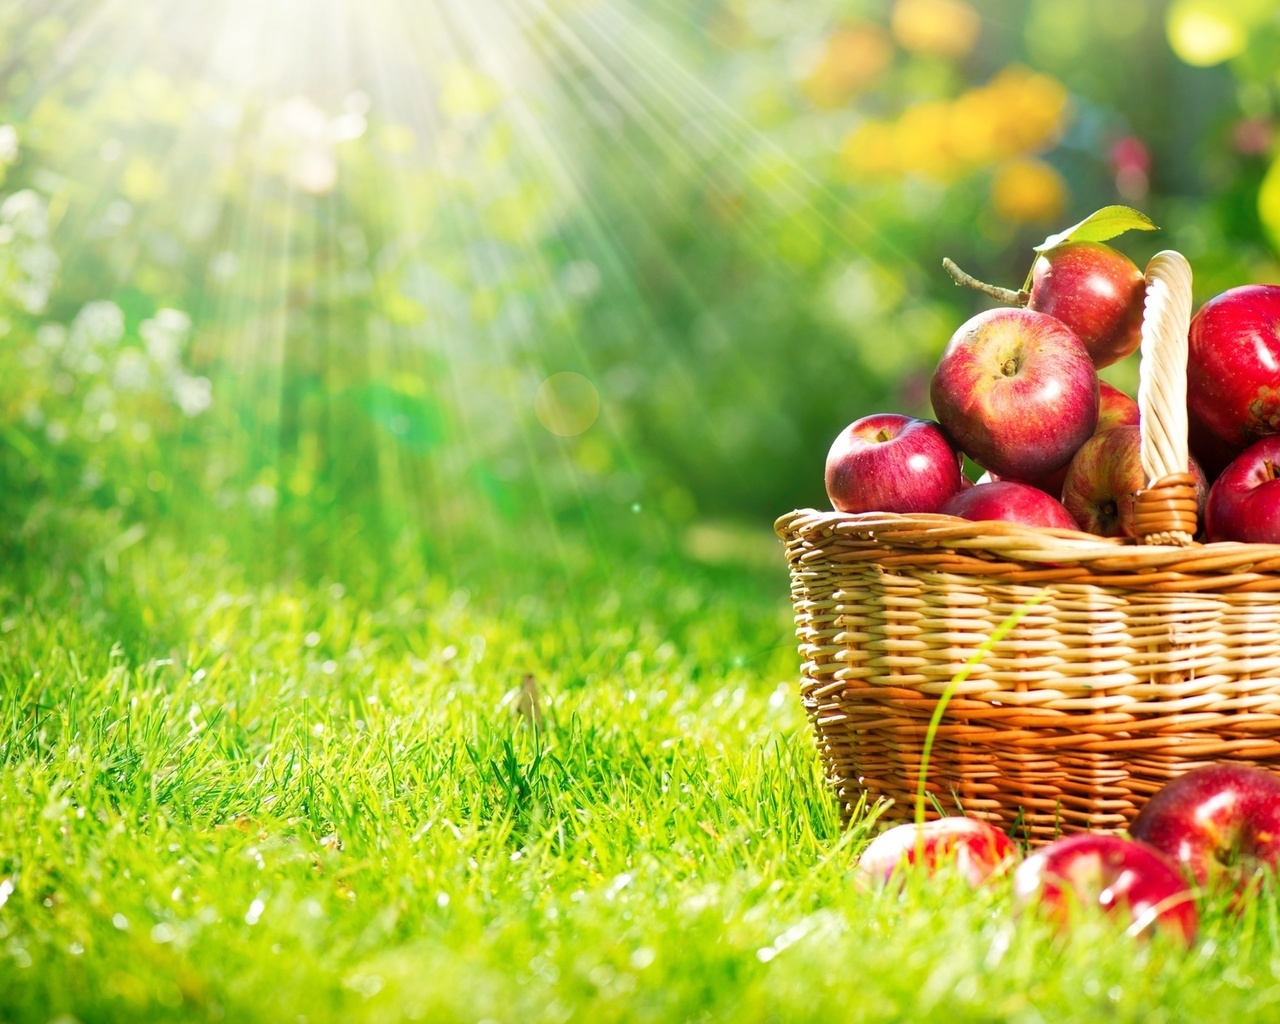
976,849
1018,392
888,462
1116,875
1221,823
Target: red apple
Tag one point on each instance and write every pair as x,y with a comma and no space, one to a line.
1115,409
1104,479
976,849
1017,391
1097,292
1011,502
1221,823
1208,449
1116,875
887,462
1244,502
1233,363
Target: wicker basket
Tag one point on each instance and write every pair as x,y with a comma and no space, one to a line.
1131,664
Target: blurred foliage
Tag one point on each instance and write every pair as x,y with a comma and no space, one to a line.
423,276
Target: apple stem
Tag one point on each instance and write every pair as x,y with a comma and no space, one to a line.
1005,295
1269,469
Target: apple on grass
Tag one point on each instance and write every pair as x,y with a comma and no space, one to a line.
1010,502
1096,291
1233,364
1220,823
1244,502
1103,481
1018,392
1120,877
976,849
888,462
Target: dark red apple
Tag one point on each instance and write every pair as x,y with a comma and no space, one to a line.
1011,502
1221,823
1244,502
1097,292
1208,449
888,462
1116,875
1115,409
1233,363
976,849
1104,479
1017,391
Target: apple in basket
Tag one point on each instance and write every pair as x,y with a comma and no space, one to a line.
1233,363
1244,502
1208,449
888,462
1103,481
1118,876
1011,502
1220,823
1096,291
1018,392
976,849
1115,409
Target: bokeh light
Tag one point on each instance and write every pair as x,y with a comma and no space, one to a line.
942,28
1205,32
567,404
307,270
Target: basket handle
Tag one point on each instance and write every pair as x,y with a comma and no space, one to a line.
1165,510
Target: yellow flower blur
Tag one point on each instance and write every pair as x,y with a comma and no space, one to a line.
939,28
1028,191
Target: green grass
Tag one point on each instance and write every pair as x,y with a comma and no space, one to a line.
233,802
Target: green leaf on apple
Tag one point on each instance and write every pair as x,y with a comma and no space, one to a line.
1100,226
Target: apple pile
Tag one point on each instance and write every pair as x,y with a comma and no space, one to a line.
1214,830
1017,391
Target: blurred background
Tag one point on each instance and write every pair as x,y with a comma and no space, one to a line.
346,286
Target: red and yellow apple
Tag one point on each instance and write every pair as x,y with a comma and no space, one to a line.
1017,391
1115,409
976,849
888,462
1104,479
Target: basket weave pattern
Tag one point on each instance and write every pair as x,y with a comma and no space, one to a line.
1136,664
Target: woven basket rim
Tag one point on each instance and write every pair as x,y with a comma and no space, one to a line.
1016,542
